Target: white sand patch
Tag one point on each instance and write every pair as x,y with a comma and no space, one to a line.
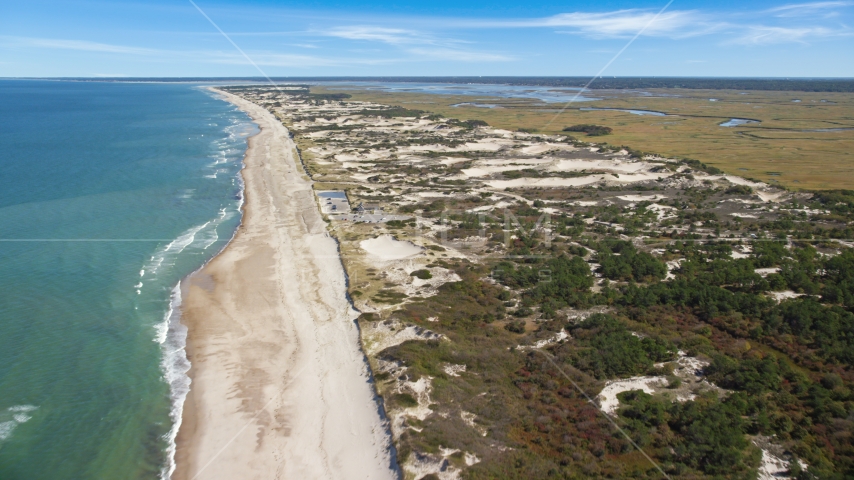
556,338
742,181
663,211
500,132
453,370
764,272
772,467
386,248
741,200
425,148
770,196
617,166
545,182
784,295
418,465
379,335
431,194
469,419
671,266
515,162
482,146
639,198
485,168
399,272
574,182
483,208
540,148
453,160
776,463
419,390
741,251
608,401
743,215
585,203
355,165
362,177
688,369
477,172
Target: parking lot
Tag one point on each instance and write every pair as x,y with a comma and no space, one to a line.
368,217
333,201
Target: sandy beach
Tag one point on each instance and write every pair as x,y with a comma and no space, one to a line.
280,387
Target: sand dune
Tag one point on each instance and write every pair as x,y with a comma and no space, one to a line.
279,384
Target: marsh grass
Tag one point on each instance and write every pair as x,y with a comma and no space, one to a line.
781,144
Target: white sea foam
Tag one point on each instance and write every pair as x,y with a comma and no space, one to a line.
175,367
6,429
12,417
174,248
171,334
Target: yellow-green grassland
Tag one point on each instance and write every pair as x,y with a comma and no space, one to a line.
805,140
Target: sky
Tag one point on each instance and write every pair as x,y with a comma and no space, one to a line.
216,38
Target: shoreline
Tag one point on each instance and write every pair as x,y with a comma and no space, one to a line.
279,384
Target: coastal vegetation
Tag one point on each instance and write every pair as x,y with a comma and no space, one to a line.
590,130
799,145
549,287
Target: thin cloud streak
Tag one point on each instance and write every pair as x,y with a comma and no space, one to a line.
79,45
459,55
202,56
619,23
762,35
272,59
423,46
391,36
801,9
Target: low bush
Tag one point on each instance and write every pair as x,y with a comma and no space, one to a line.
590,130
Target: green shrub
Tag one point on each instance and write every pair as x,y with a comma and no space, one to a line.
590,130
515,327
739,190
405,400
423,274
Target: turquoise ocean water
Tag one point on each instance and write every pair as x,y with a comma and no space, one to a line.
110,193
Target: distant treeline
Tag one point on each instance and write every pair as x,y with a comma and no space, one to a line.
793,84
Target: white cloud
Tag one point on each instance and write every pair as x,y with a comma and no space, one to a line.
621,23
458,55
765,35
79,45
415,43
392,36
275,59
202,56
801,9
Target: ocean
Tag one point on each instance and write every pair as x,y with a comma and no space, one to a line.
110,193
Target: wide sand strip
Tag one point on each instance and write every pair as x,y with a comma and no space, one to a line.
279,384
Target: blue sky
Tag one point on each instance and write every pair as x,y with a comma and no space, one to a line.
427,37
